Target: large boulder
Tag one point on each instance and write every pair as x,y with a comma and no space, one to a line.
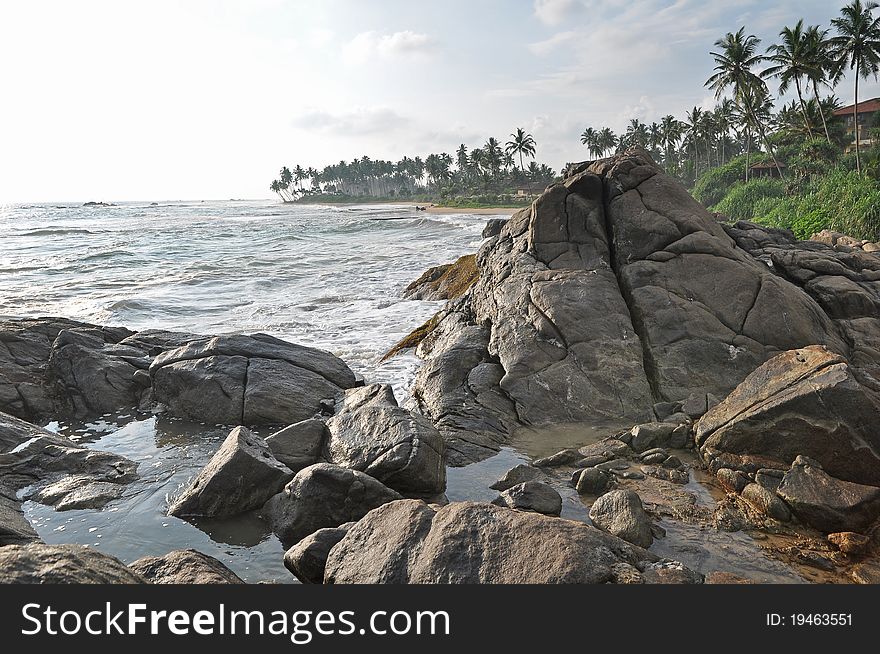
805,401
240,477
470,543
184,567
620,512
323,495
401,449
37,563
251,380
828,504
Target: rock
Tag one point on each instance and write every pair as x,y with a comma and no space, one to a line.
78,492
651,435
719,577
37,563
610,448
14,527
766,502
372,434
669,572
308,558
251,380
323,495
620,513
663,410
732,480
656,457
471,543
184,567
826,503
695,405
593,481
871,247
624,573
445,282
531,496
299,446
561,458
849,542
14,432
769,478
682,437
493,227
805,401
867,572
517,475
240,476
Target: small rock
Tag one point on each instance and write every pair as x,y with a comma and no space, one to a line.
299,445
517,475
531,496
615,464
672,462
559,459
665,409
308,558
592,481
695,405
591,461
766,502
628,474
849,542
37,563
867,572
652,434
769,478
620,512
670,572
624,573
184,567
656,457
682,437
732,480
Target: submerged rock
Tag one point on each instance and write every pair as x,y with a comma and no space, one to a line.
184,567
469,543
531,496
517,475
240,476
62,564
323,495
620,513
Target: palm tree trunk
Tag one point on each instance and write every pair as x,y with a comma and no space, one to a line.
748,151
821,111
521,162
856,123
764,138
797,84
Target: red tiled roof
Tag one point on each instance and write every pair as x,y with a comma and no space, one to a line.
868,106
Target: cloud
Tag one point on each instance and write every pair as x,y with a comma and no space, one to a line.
357,122
373,45
549,45
553,12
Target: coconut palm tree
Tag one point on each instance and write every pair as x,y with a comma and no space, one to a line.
521,143
692,127
857,46
791,59
671,131
606,140
825,70
734,60
724,119
590,138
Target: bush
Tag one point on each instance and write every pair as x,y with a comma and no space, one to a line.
714,184
742,200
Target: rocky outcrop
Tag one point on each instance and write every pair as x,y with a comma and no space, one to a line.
615,293
493,227
372,434
249,380
240,477
843,242
802,402
184,567
308,558
621,513
62,564
468,542
445,282
323,495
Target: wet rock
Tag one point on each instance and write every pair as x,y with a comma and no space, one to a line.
308,558
732,480
611,448
593,481
517,475
184,567
531,496
468,542
240,477
766,502
299,445
37,563
669,572
769,478
672,462
654,456
493,227
14,527
252,380
323,495
804,401
620,513
826,503
78,492
561,458
445,282
372,434
674,475
849,542
651,435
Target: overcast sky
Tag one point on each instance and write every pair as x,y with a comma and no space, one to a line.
208,99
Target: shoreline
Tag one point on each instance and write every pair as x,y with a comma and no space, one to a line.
429,208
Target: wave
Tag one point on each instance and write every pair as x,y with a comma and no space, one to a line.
55,231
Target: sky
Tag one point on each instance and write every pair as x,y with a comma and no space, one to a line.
207,99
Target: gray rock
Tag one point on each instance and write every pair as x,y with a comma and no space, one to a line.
732,480
299,445
620,513
766,502
37,563
493,227
253,380
805,401
372,434
593,481
468,542
78,492
656,457
240,477
651,435
323,495
184,567
695,405
669,572
561,458
308,558
517,475
769,478
14,527
826,503
531,496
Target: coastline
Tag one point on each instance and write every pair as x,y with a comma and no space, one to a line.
430,208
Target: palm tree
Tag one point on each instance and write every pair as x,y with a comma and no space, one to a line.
692,126
522,144
493,152
724,117
590,138
734,61
461,158
825,70
671,131
606,140
791,63
857,46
